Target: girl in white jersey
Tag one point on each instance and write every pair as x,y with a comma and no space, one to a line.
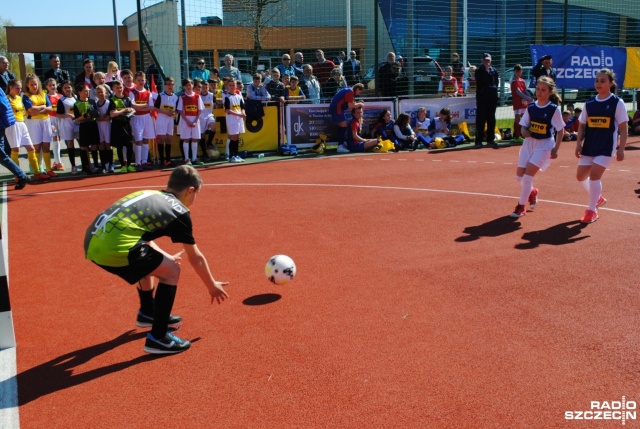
603,116
538,122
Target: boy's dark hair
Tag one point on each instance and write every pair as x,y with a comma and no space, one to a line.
138,74
517,67
184,177
577,109
80,87
125,72
358,86
116,83
214,70
186,81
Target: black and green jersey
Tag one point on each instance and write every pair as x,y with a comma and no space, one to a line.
86,109
137,218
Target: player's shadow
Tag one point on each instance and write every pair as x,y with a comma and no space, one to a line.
63,372
494,228
262,299
564,233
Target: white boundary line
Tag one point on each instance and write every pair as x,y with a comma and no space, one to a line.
9,415
330,185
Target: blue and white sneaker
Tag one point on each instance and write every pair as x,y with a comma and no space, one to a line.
168,345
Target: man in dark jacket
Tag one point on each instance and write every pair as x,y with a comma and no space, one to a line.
486,101
543,68
56,72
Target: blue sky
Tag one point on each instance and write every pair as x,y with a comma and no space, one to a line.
40,13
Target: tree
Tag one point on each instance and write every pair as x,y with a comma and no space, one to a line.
14,64
258,16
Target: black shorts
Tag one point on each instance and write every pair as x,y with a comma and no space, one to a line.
121,132
89,135
143,260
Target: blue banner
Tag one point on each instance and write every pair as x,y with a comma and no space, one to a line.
576,66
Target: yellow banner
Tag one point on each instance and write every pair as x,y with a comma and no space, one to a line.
261,135
632,72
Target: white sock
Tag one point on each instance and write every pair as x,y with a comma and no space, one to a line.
594,193
527,186
519,179
585,184
144,154
228,147
185,147
138,151
194,151
124,156
55,148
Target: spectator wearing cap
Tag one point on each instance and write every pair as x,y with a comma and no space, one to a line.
543,68
486,101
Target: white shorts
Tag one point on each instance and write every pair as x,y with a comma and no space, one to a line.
536,152
601,160
205,122
104,128
18,135
142,127
164,125
188,133
55,126
39,130
235,125
66,129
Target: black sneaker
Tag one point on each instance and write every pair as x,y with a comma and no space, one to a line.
144,321
22,182
167,345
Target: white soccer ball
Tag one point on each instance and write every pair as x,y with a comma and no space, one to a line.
280,269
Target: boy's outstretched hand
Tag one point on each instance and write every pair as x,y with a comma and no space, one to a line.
218,293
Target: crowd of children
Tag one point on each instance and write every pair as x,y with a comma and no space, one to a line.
117,109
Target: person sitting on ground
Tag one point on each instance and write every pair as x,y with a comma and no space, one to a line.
355,141
403,132
420,125
383,128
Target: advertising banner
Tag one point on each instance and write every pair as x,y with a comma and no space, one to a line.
632,76
463,109
576,66
308,121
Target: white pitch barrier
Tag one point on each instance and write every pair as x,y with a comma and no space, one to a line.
7,334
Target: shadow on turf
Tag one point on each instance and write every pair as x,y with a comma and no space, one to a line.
262,299
494,228
564,233
64,371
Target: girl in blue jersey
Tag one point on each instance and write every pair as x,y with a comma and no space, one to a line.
538,122
603,116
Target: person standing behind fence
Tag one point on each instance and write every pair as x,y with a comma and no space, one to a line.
604,115
200,71
457,68
352,69
323,67
340,104
310,85
486,102
539,122
385,78
229,70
